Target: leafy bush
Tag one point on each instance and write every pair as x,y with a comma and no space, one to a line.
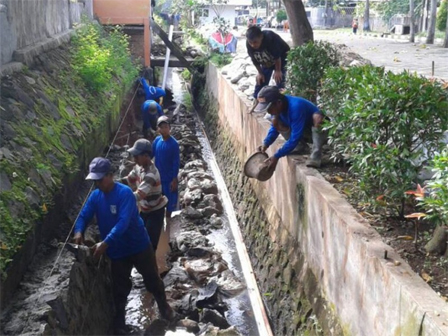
99,56
281,15
441,16
306,65
436,202
385,124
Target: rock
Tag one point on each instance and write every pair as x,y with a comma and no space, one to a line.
438,243
213,317
193,184
229,284
196,165
189,239
199,252
209,187
249,92
215,221
229,332
157,327
31,195
8,132
212,201
176,274
199,175
189,325
251,70
235,79
5,184
207,212
30,80
192,213
192,197
355,63
6,153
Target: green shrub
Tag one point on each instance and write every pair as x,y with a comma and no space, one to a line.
281,15
306,66
99,56
441,16
385,124
436,203
186,74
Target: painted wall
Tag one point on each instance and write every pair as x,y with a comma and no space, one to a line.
25,23
227,12
370,295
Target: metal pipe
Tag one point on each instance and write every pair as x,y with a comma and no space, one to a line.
167,58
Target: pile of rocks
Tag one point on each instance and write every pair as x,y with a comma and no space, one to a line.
242,73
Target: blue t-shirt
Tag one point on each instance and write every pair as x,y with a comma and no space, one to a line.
152,92
120,224
146,116
167,157
298,116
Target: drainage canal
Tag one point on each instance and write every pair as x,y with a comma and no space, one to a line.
210,282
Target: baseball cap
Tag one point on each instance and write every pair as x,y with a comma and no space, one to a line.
266,97
140,147
150,106
98,168
163,119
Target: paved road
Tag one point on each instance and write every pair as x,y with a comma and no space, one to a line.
394,55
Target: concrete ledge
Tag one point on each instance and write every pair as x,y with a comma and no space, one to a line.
27,55
9,68
369,294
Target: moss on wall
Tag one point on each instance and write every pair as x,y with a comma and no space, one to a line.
290,290
51,125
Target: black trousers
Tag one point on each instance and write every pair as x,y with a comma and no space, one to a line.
154,221
145,263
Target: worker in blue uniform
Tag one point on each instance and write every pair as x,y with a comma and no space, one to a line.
152,92
292,116
167,158
151,111
123,238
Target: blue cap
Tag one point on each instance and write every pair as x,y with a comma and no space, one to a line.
98,168
141,146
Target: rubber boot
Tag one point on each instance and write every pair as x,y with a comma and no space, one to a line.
319,138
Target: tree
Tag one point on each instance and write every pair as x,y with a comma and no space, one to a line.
366,26
301,30
445,42
441,16
432,22
411,15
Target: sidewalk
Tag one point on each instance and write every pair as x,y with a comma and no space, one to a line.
394,55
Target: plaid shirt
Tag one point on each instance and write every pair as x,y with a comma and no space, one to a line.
147,188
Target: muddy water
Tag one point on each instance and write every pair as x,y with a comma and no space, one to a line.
240,311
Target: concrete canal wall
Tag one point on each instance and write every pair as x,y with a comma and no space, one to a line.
320,265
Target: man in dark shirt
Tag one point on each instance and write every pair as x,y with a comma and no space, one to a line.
268,53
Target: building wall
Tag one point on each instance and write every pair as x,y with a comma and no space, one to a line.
227,12
25,23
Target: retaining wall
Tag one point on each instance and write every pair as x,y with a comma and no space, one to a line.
39,178
315,257
26,25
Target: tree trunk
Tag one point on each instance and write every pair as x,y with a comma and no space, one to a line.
326,14
299,25
432,22
366,26
412,23
445,42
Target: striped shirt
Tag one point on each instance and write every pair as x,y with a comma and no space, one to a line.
147,188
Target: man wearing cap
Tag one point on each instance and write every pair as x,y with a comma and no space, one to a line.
167,158
144,179
291,117
123,238
268,52
151,111
152,92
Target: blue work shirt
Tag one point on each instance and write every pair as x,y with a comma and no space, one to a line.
167,157
298,116
120,224
152,92
146,116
